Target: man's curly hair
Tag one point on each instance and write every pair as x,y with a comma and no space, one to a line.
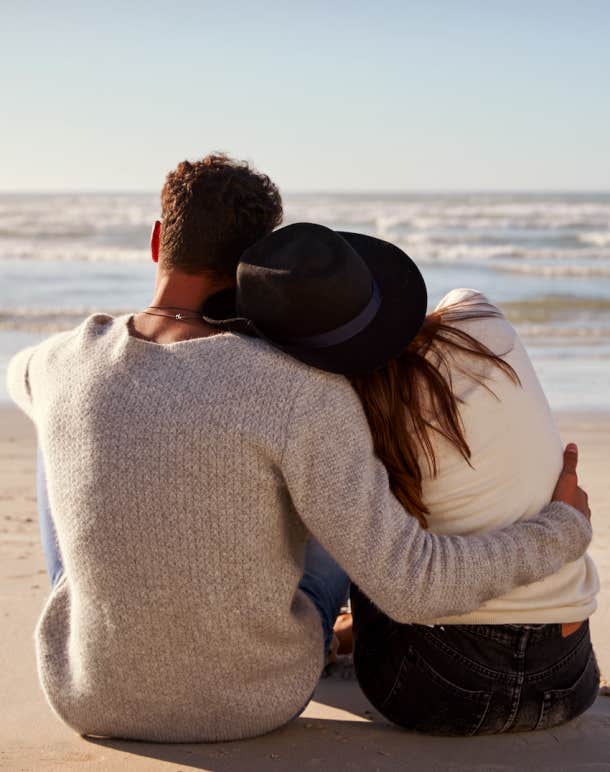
212,211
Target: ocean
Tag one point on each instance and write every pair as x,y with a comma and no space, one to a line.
544,258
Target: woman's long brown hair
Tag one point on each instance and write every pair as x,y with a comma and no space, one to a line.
412,396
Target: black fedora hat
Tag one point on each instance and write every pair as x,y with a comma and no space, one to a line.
342,302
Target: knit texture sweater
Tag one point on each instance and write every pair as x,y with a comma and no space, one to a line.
185,480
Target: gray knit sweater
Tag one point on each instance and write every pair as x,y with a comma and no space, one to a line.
185,480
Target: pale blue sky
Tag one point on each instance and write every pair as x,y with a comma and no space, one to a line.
376,95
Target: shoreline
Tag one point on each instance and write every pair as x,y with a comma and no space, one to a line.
338,730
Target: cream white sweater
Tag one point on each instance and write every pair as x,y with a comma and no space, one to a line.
516,458
185,480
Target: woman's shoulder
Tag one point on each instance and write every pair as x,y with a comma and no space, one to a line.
473,312
463,296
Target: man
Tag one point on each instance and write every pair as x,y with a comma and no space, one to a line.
187,471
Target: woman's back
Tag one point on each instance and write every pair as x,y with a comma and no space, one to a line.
513,664
516,456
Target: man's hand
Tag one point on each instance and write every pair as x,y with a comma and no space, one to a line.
567,489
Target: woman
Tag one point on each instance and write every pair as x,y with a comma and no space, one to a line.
464,429
461,423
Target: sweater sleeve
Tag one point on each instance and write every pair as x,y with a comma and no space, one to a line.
341,492
18,380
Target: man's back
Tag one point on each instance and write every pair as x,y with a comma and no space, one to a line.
163,469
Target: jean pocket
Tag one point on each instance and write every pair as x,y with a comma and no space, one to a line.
561,705
423,700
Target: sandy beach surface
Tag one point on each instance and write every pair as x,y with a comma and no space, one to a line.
338,731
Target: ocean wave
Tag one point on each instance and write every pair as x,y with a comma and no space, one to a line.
551,269
502,256
588,313
600,239
462,253
561,303
390,215
74,216
421,247
36,230
71,252
565,335
562,240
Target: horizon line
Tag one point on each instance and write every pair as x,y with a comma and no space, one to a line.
329,192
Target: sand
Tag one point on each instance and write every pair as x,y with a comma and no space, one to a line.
339,730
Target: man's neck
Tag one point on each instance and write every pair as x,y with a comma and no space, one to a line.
178,292
184,290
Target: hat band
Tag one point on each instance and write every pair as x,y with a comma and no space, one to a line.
347,331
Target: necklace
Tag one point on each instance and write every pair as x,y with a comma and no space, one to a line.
179,317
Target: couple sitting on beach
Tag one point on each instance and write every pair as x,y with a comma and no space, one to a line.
281,424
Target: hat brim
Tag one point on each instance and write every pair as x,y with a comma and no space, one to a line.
397,322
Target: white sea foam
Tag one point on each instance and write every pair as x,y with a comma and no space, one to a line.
566,334
600,239
553,269
428,212
77,216
69,251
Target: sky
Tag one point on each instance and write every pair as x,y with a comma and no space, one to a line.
323,96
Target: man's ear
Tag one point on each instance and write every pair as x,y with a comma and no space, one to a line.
155,238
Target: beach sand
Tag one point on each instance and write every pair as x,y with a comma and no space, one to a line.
338,731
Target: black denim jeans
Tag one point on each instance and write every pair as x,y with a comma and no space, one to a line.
472,679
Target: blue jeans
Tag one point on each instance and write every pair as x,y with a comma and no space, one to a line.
48,536
324,581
